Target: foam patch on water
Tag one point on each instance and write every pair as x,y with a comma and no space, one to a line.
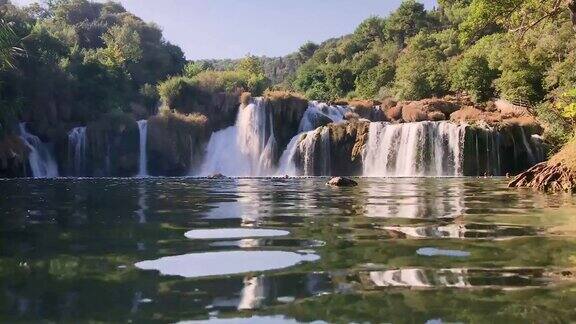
429,251
224,263
233,233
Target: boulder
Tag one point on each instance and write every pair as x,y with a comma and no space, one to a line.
556,175
342,182
413,112
393,113
217,176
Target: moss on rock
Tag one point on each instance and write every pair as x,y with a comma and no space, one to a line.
176,143
113,146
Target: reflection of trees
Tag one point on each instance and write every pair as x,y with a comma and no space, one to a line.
449,305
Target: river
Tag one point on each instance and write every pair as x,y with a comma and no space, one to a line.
275,250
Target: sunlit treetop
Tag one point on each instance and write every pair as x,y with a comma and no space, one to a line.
512,15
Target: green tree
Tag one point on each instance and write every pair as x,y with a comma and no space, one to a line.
8,46
122,46
407,21
421,74
192,69
473,75
306,51
369,82
339,80
513,15
370,30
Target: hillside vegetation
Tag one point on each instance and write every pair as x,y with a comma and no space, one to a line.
74,60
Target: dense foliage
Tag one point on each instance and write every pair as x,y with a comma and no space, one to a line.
521,50
74,60
79,60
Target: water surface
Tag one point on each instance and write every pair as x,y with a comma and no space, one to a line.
284,250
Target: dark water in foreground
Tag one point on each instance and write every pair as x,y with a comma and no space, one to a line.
390,250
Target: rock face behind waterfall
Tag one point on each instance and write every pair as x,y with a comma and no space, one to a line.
112,146
335,149
176,143
287,110
13,157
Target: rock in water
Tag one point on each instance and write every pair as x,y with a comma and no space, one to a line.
217,176
556,175
342,182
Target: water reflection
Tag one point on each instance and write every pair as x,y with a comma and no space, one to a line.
456,278
409,198
462,231
224,263
68,242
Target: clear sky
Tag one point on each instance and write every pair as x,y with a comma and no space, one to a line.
234,28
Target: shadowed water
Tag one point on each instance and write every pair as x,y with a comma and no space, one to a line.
284,250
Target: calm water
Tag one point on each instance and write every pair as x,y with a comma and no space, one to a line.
292,250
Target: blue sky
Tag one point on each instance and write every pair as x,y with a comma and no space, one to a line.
234,28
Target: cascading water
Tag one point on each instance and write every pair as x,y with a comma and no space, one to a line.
414,149
317,111
42,162
143,159
305,143
245,149
391,150
77,150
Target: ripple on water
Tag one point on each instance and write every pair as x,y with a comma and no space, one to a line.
233,233
224,263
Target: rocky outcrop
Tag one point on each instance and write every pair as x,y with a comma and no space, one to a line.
556,175
13,157
220,107
342,182
112,146
335,149
286,111
372,110
176,143
347,142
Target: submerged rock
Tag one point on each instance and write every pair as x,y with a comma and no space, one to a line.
342,182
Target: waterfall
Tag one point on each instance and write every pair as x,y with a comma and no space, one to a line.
317,111
245,149
312,144
414,149
77,150
143,160
41,159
